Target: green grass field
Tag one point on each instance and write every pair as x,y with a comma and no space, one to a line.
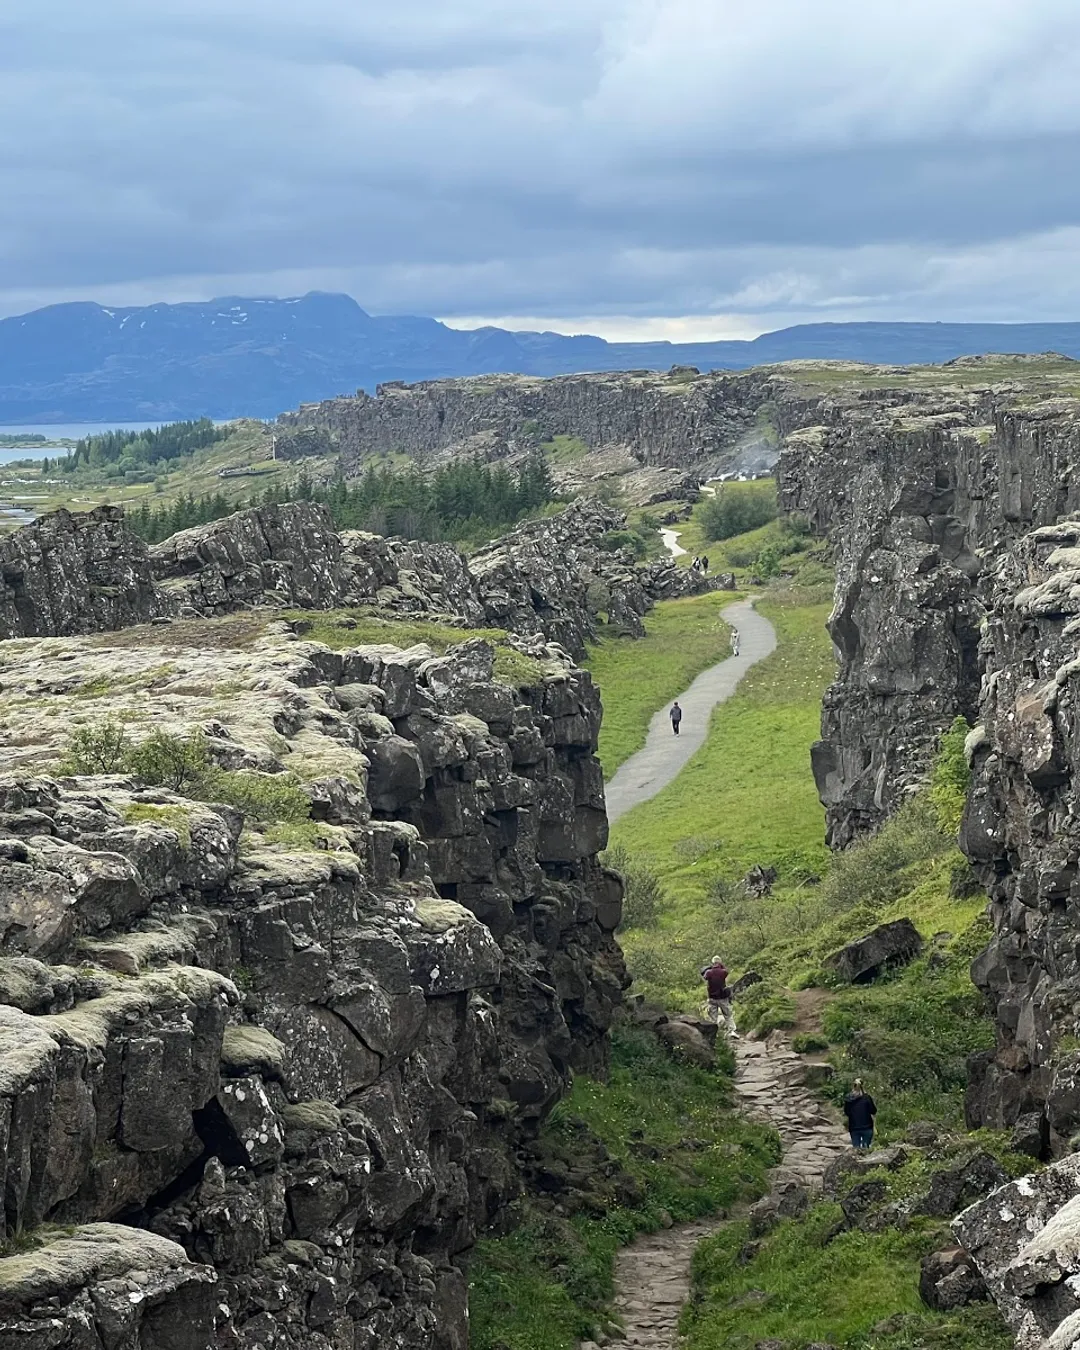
682,638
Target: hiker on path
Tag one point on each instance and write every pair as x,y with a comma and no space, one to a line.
734,642
715,977
860,1110
696,564
676,716
705,563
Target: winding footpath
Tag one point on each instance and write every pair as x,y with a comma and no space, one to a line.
664,755
652,1275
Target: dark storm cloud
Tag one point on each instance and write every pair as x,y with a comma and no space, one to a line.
547,157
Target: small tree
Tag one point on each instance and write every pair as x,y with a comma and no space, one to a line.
173,762
101,748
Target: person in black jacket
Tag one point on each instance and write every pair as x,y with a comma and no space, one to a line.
860,1110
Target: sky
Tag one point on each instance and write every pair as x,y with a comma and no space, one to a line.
687,169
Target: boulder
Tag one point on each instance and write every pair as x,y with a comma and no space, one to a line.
949,1279
890,944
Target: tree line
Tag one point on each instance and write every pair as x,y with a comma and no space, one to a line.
463,502
132,450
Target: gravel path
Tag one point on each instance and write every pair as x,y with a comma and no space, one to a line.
652,1276
654,766
671,543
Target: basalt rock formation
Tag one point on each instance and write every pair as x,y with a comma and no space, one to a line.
76,574
679,421
262,1084
955,519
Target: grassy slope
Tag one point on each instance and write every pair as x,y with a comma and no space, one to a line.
683,638
248,445
746,797
546,1285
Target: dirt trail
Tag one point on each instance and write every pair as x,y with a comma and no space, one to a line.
652,1276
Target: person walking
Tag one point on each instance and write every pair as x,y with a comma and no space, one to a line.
696,564
860,1109
705,563
716,985
676,716
734,642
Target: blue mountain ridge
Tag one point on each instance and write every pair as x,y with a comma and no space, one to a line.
233,357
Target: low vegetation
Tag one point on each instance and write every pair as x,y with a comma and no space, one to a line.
670,1130
737,508
182,764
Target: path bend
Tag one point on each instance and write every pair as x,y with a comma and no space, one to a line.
664,755
652,1275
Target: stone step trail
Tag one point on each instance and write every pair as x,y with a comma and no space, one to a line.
652,1275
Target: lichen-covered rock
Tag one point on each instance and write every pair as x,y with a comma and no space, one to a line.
287,1059
1025,1240
104,1284
75,573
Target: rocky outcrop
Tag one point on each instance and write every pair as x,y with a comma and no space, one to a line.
74,573
680,421
1025,1240
550,577
959,593
270,1079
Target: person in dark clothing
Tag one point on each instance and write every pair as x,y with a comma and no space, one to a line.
860,1110
715,977
676,716
705,563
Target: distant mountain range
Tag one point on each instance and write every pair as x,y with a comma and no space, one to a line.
237,357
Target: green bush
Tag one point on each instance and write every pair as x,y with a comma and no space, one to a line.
169,761
628,539
951,778
261,796
808,1043
873,870
100,748
642,894
737,508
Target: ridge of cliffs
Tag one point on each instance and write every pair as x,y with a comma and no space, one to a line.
78,573
955,519
678,420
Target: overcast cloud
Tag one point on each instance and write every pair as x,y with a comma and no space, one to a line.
674,168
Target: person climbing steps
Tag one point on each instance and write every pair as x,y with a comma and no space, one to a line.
676,716
719,1005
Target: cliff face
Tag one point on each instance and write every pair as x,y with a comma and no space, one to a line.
958,573
269,1085
666,421
80,574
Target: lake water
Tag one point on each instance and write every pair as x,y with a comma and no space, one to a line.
61,431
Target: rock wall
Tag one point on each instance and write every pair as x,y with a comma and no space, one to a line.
551,577
74,573
958,573
261,1085
670,421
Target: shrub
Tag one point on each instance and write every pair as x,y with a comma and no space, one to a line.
169,761
261,796
642,893
951,777
808,1043
629,539
100,748
737,508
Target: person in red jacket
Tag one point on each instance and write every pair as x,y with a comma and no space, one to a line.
715,977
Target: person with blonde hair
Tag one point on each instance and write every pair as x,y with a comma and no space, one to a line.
860,1109
719,1005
